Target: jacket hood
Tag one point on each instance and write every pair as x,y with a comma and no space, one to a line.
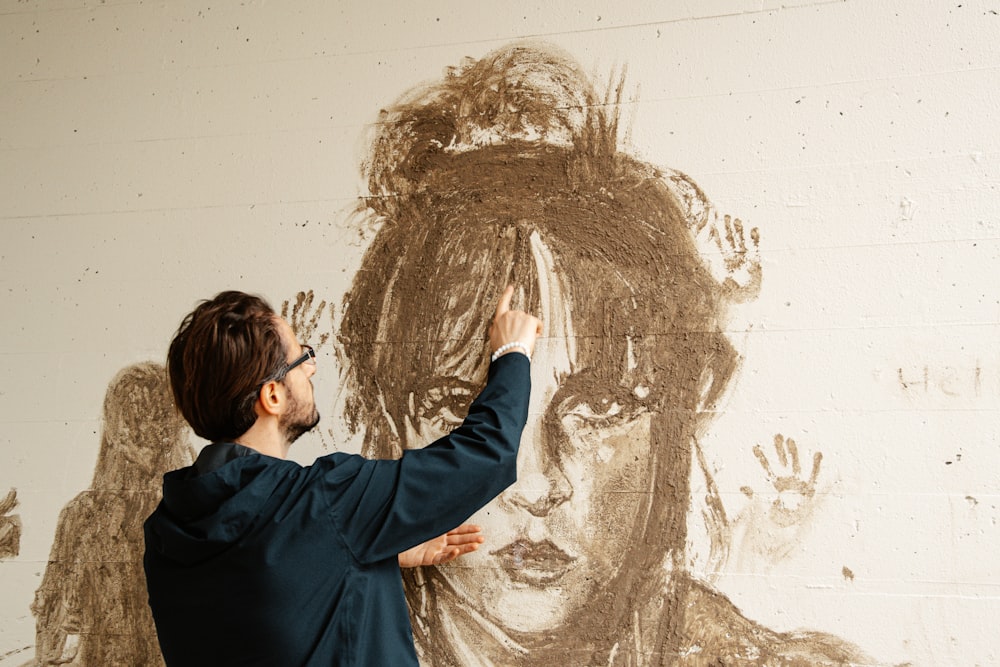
205,509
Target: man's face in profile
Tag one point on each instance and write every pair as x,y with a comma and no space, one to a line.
302,415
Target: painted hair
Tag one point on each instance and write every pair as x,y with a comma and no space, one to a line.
218,359
463,176
143,435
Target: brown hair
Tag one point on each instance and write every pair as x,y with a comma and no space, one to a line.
218,359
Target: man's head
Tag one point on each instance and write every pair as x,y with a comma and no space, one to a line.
223,358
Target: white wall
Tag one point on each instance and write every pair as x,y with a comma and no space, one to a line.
152,154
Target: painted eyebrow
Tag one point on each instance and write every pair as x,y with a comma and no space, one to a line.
573,384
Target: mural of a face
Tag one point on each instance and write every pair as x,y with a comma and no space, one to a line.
508,171
559,532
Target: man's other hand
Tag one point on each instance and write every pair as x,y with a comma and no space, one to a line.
458,542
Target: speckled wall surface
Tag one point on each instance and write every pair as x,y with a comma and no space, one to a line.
763,237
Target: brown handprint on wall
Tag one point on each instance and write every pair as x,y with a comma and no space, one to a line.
795,492
306,321
742,261
723,244
733,260
776,519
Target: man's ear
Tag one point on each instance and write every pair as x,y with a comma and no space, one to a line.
270,398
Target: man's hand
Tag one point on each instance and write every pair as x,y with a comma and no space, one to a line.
513,325
464,539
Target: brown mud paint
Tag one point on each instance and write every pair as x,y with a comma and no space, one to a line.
508,170
307,319
91,607
10,526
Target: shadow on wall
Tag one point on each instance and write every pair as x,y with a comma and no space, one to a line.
91,608
508,170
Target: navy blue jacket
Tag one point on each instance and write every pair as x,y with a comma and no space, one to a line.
253,560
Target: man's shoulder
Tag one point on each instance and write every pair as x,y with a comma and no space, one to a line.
341,462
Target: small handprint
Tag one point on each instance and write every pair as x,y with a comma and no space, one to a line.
734,263
795,492
741,275
10,526
306,320
774,523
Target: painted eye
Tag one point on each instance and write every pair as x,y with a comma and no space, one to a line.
443,408
444,419
601,412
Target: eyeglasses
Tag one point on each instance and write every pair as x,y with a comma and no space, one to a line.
308,357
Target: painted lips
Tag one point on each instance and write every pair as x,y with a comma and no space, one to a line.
534,562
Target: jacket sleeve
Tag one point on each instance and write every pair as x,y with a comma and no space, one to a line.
389,506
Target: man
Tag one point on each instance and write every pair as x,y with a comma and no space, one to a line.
252,559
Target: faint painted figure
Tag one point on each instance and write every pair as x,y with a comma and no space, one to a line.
511,165
10,526
91,608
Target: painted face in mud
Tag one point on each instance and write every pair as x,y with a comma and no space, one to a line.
584,474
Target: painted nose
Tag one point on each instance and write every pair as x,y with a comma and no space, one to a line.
538,494
541,485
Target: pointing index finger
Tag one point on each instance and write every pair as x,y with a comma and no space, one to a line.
505,298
